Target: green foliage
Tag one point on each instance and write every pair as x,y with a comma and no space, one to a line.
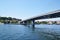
9,20
43,22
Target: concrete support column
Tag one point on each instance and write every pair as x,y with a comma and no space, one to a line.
24,23
28,23
33,23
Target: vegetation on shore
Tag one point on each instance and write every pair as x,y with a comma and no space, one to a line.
47,22
9,20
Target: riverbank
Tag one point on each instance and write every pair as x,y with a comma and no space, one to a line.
9,20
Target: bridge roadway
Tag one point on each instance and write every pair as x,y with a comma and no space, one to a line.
53,14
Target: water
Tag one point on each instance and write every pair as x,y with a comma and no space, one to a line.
20,32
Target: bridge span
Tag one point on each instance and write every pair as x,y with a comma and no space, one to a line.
53,14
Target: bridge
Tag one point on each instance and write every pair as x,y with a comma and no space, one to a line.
53,14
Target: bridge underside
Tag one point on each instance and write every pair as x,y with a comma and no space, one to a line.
32,20
48,16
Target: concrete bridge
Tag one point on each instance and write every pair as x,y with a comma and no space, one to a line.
53,14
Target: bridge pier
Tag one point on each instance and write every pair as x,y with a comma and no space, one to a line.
33,23
28,23
24,23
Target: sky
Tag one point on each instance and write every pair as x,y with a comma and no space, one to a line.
24,9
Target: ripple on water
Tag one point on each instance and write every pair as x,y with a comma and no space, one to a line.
19,32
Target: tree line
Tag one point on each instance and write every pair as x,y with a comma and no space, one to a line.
9,20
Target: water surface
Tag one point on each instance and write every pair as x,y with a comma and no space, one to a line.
21,32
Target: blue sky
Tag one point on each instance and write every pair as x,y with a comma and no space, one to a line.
27,8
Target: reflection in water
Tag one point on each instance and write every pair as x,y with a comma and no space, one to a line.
20,32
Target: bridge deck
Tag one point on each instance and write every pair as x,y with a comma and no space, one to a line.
52,14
